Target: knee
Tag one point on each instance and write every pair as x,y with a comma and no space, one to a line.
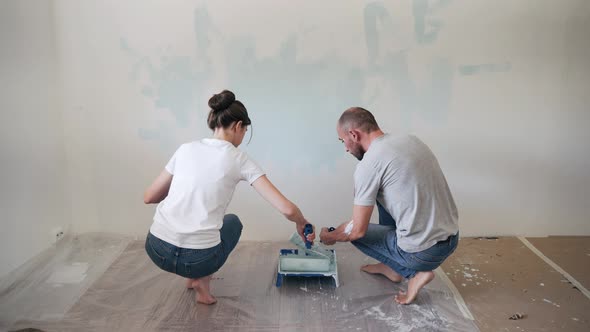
233,220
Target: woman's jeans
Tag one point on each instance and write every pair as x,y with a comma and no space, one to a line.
380,243
195,263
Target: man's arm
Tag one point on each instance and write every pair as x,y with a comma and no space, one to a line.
361,216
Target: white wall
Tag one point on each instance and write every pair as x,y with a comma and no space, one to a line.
31,133
498,89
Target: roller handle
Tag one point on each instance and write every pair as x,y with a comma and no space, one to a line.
307,229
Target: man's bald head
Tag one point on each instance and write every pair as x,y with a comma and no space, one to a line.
357,118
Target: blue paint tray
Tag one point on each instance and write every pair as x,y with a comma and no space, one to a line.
300,263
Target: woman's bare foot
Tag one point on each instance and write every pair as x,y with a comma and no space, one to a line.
201,286
189,283
383,269
414,286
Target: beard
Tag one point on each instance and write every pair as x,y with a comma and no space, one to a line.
358,152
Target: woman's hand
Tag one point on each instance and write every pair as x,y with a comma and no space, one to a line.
300,227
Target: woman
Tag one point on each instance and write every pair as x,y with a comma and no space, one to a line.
191,235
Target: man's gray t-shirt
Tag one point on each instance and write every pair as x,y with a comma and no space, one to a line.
403,175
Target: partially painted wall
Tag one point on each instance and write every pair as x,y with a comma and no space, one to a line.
498,89
495,88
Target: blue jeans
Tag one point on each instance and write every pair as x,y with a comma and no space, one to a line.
380,243
195,263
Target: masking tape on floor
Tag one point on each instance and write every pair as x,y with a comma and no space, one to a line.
556,267
456,295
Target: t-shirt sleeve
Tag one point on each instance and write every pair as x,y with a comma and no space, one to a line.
249,170
172,162
367,181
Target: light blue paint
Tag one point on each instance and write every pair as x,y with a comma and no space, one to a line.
147,91
426,28
161,136
485,68
174,82
431,103
148,134
124,45
375,13
436,98
292,104
203,27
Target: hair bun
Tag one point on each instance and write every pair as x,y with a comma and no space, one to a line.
222,100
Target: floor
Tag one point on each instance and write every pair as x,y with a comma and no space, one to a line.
499,277
105,282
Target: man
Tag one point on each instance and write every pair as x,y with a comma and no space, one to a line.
418,226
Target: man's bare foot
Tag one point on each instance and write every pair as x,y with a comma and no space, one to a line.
383,269
414,286
201,286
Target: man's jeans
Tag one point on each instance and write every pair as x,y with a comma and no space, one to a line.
195,263
380,243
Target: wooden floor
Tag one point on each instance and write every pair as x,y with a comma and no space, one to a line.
500,277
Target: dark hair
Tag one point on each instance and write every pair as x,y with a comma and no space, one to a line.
225,110
358,118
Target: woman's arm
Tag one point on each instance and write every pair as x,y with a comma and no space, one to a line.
271,194
158,190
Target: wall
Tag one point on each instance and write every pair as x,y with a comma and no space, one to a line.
31,133
498,89
495,88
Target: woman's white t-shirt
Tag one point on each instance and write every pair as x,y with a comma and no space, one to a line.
205,175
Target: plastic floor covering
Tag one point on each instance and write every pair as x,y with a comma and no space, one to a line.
106,282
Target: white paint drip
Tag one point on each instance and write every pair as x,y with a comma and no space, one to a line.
420,319
68,274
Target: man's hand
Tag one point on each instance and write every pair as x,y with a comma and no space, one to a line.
325,237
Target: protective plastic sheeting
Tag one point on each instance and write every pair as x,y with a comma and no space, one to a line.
134,295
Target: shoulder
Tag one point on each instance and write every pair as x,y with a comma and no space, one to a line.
244,158
188,145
